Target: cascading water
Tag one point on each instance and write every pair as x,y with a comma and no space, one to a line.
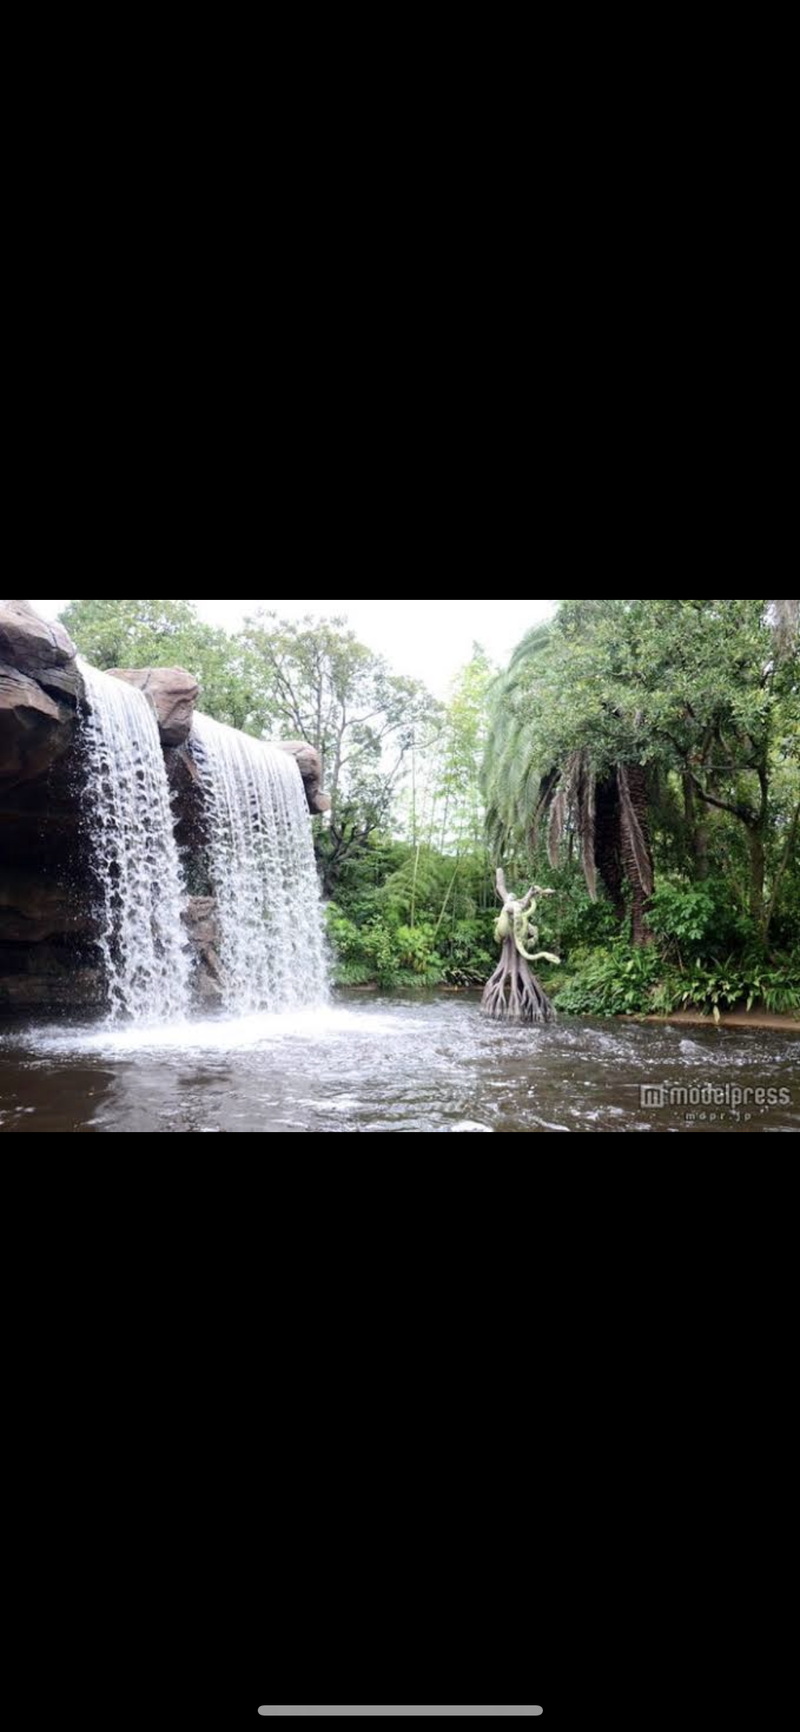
261,859
130,826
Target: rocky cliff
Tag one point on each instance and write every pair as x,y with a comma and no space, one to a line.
48,958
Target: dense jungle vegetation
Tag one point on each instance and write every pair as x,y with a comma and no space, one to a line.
640,758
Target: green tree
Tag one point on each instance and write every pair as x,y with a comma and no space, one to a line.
314,680
624,698
124,634
459,748
714,705
556,751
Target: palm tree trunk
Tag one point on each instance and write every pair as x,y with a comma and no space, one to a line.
608,844
637,854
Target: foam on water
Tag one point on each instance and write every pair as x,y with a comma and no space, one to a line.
225,1034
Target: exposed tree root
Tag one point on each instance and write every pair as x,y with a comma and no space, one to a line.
514,994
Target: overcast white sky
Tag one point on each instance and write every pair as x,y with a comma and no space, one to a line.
430,639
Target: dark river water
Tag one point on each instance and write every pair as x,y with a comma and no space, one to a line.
396,1065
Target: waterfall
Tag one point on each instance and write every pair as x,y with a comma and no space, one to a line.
135,857
263,873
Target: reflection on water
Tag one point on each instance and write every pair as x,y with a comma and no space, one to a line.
386,1065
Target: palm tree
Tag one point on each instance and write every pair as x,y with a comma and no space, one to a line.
512,774
608,814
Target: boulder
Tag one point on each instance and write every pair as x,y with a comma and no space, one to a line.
29,643
309,764
34,729
173,694
62,682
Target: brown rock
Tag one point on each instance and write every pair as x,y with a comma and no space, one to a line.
34,907
200,918
187,798
30,643
64,682
40,822
202,925
208,990
212,964
34,729
184,776
309,764
82,988
173,694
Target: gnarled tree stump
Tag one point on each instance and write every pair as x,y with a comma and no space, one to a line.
514,994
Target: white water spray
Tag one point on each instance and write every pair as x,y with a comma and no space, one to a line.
130,826
264,877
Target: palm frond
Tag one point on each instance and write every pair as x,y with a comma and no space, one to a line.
544,797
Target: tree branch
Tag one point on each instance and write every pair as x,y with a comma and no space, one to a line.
743,813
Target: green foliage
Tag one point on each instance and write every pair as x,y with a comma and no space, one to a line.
693,691
707,957
516,757
737,983
693,919
702,694
456,756
428,923
619,982
388,956
315,681
136,634
624,982
573,921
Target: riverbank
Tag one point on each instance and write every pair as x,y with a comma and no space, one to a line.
760,1019
728,1019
